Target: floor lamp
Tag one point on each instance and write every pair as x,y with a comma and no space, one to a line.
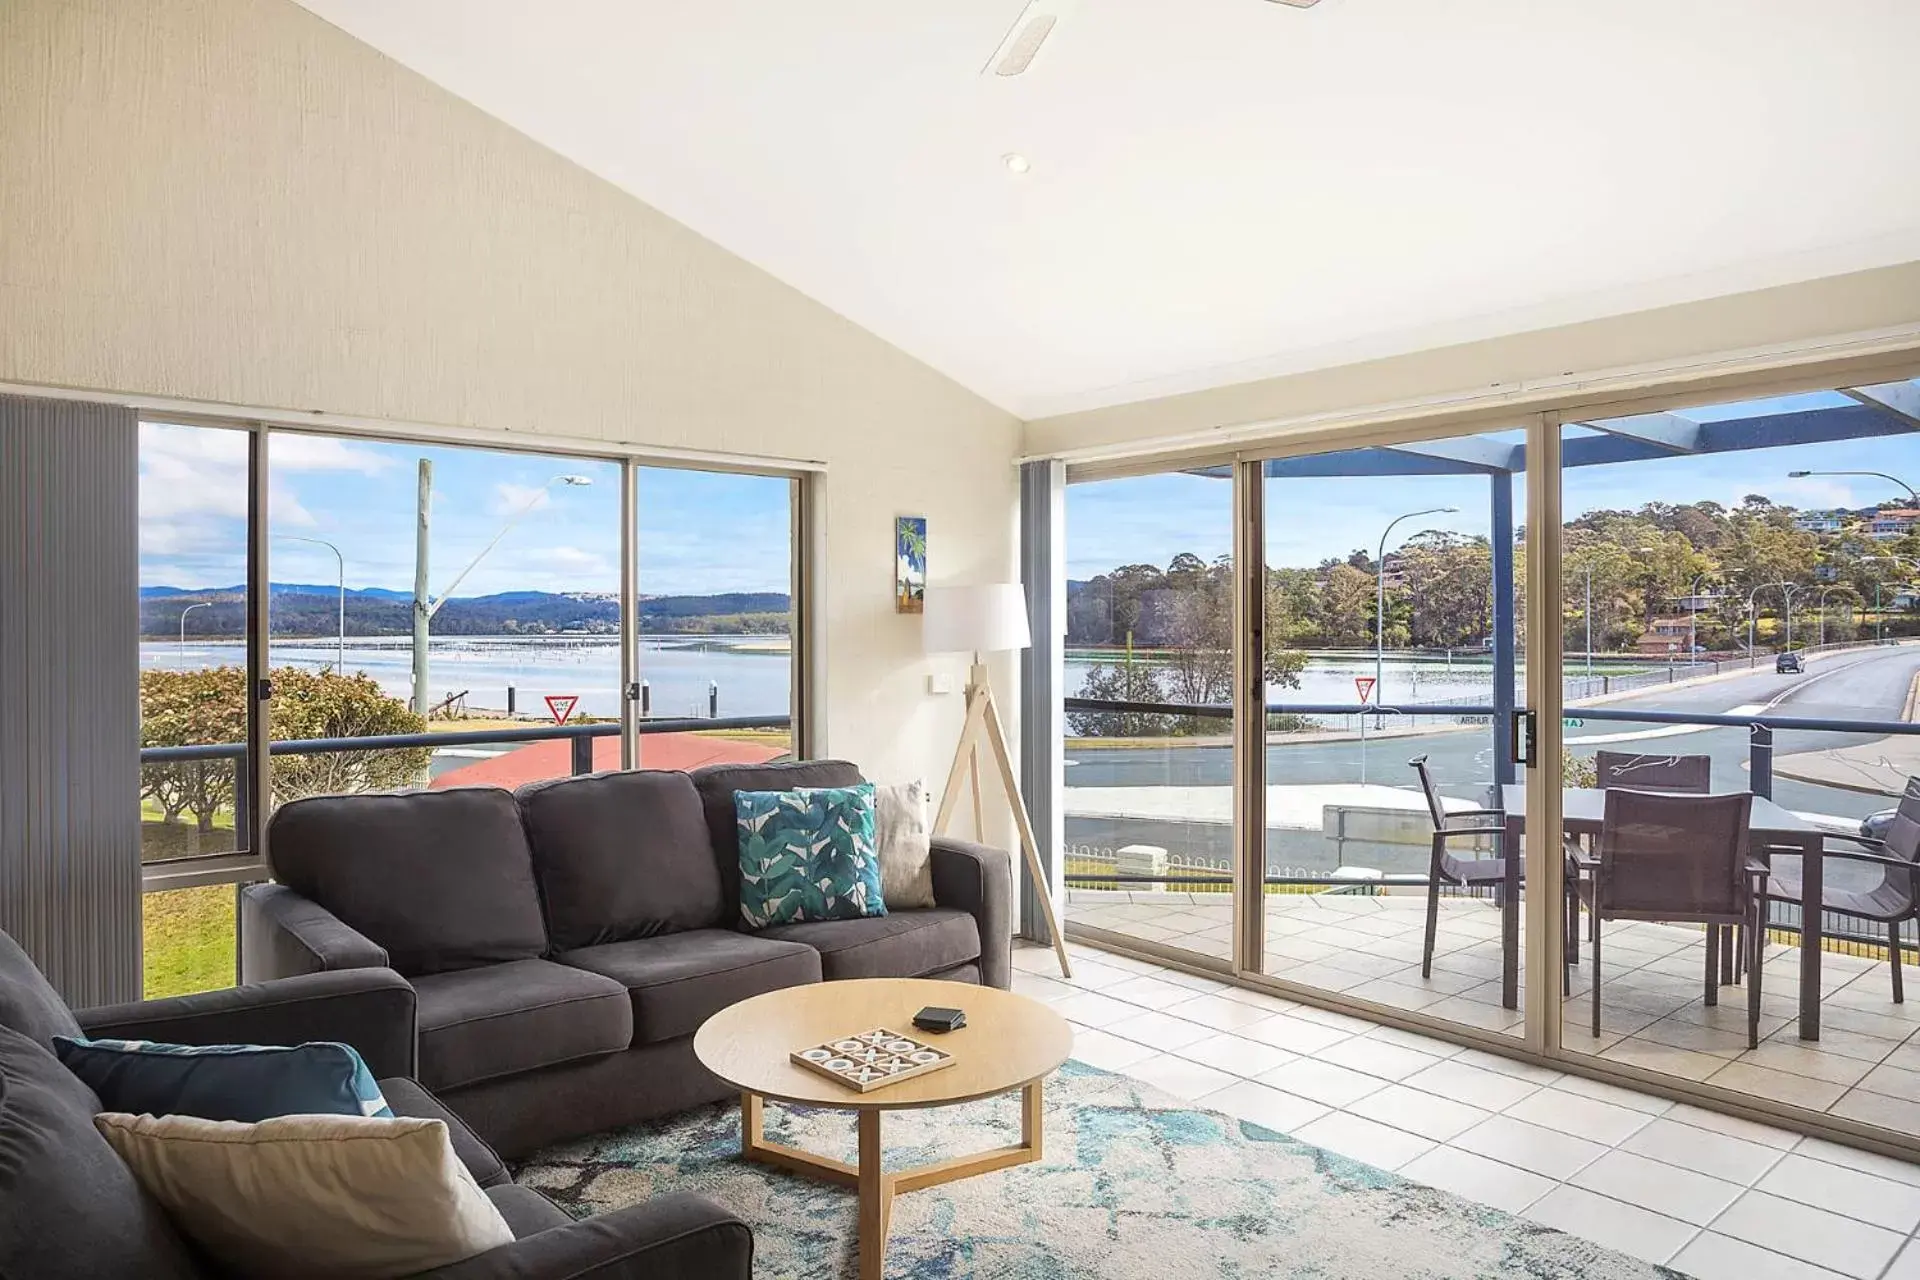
981,620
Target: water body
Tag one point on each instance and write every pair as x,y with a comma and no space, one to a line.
752,672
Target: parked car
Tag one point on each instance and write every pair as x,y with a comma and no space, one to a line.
1788,664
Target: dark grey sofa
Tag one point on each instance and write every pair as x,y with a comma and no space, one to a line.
70,1208
566,941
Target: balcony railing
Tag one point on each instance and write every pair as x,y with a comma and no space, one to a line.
233,755
1198,875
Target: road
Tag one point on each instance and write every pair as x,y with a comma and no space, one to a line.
1867,684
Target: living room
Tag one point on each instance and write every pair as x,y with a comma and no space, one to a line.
1176,561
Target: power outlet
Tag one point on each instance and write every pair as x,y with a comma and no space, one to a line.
940,682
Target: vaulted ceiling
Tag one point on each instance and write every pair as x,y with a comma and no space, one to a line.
1218,189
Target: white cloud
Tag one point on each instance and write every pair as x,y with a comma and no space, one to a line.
291,451
1812,493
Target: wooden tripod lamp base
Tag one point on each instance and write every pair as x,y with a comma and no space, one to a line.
983,721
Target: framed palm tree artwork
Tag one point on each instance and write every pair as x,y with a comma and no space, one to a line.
909,564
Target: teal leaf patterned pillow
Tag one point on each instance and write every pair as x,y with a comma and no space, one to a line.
807,854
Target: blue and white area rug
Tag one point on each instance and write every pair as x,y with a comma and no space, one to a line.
1135,1185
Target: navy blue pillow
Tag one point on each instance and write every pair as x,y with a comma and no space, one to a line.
244,1082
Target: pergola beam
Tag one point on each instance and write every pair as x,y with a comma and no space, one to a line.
1476,453
1901,399
1668,431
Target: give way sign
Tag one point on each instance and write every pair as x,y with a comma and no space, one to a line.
1362,685
562,705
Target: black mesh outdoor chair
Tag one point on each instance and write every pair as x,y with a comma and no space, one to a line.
1689,775
1678,858
1892,901
1680,775
1444,868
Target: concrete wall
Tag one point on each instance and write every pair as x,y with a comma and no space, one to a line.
231,201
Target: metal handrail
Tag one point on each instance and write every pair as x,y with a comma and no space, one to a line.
1219,712
472,737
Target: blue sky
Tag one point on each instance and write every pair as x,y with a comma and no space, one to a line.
700,532
1148,519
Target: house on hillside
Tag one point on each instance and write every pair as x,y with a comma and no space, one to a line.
1665,636
1895,522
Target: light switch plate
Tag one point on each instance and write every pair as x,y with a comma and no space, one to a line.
940,682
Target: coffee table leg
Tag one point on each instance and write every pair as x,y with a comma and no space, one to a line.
1032,1135
751,1132
876,1200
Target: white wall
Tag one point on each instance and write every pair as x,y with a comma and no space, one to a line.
231,201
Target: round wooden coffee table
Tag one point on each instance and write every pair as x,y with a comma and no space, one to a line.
1010,1042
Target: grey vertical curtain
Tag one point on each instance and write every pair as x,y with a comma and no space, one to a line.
69,693
1041,485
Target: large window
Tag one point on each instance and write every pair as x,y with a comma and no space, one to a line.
716,621
464,606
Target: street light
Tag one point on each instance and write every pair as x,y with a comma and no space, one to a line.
204,604
1787,590
1589,615
1693,617
1821,604
1380,598
423,610
340,663
1879,615
1878,475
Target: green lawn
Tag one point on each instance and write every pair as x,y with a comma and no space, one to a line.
189,940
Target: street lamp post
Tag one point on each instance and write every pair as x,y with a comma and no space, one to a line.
1821,604
1380,598
1753,617
423,610
340,563
204,604
1693,619
1878,475
1879,613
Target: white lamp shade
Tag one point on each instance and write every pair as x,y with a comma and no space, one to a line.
978,619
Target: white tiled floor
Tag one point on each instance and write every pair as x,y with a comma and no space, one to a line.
1866,1065
1714,1197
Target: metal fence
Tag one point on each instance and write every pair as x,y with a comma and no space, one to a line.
1842,932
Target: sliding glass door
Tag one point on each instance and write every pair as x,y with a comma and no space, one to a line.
1149,795
1390,643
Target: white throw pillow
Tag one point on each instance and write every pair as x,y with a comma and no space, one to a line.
357,1196
900,832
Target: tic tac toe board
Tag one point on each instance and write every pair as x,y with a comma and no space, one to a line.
873,1059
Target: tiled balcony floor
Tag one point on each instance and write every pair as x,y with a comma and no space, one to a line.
1866,1065
1712,1197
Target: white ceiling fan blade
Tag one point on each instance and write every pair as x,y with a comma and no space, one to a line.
1027,36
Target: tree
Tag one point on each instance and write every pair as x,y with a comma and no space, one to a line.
1122,682
323,704
188,708
191,708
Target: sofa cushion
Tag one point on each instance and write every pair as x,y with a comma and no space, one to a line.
244,1082
503,1019
679,980
72,1208
442,879
408,1098
28,1002
807,854
717,783
903,944
527,1211
621,855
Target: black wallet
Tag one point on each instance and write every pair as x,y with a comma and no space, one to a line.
933,1018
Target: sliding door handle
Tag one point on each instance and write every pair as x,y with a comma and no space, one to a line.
1526,740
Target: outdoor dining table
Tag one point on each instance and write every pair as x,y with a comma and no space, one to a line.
1770,828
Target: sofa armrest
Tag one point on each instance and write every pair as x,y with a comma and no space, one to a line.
979,879
676,1237
282,933
371,1009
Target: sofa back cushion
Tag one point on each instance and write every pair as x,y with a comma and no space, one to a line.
621,855
717,783
72,1208
442,879
28,1002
